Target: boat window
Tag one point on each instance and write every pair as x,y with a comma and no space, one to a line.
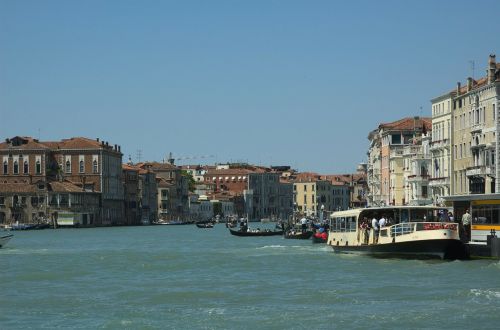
405,215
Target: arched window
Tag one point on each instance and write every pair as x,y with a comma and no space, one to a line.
95,168
38,167
16,167
25,167
5,167
68,166
81,166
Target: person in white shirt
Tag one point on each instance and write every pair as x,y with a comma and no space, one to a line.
303,223
375,229
382,222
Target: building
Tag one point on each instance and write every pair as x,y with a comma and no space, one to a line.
417,164
385,158
173,189
67,172
440,181
475,138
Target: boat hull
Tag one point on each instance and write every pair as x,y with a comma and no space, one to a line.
4,239
304,235
437,248
255,233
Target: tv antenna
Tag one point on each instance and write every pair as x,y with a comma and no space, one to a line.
472,64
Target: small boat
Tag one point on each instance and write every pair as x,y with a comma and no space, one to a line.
320,237
172,222
205,225
251,232
4,238
298,234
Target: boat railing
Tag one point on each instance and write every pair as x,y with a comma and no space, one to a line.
410,227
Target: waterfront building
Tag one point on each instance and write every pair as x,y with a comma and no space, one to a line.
314,193
357,187
440,182
69,174
476,150
131,194
416,176
148,191
173,189
385,163
475,139
265,195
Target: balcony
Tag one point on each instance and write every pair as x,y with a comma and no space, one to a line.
439,144
480,170
396,153
477,128
437,182
418,178
412,150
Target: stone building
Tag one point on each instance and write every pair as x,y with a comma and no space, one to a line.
67,172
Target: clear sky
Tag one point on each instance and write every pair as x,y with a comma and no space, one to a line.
298,83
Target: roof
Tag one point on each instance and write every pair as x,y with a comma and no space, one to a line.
64,186
408,124
27,143
156,166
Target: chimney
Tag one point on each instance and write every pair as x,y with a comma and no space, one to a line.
97,139
469,84
116,147
458,88
492,65
119,149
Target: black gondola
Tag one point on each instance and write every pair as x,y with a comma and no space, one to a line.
298,235
265,232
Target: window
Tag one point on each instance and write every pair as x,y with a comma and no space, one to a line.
16,167
95,168
5,167
38,167
68,166
2,200
81,167
25,167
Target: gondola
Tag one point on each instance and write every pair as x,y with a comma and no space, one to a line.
205,225
298,235
265,232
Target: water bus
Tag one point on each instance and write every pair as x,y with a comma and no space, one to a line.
411,231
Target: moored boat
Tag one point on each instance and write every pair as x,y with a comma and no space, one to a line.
4,238
319,237
205,225
298,234
411,231
254,232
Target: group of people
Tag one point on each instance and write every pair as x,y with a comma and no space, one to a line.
376,225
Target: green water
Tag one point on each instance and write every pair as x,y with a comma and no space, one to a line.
182,277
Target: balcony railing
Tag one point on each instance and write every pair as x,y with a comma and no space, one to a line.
439,144
477,128
480,170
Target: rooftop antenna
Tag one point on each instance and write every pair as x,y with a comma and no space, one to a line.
138,155
472,67
38,134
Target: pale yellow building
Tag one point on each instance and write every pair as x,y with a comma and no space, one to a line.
475,138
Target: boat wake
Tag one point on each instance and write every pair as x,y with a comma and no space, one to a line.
487,294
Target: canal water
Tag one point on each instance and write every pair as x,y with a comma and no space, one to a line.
182,277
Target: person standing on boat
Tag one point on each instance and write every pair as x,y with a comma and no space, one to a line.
466,221
382,222
375,230
303,223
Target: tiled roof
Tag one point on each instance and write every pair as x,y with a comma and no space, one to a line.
408,123
64,186
30,143
156,166
231,171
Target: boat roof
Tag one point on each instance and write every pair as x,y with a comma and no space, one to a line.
357,211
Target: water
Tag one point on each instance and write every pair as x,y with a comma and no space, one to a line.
182,277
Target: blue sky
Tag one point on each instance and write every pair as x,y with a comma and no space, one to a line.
298,83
